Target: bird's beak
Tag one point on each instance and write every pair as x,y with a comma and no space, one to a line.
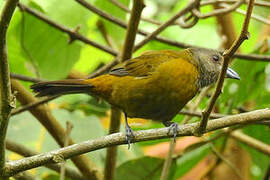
232,74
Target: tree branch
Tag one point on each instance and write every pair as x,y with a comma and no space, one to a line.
17,166
24,151
227,56
250,141
5,90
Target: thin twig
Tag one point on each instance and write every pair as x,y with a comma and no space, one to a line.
104,69
24,176
218,12
69,127
151,36
226,161
17,166
126,9
26,152
5,90
199,114
25,78
227,56
32,105
253,16
250,141
168,161
111,153
126,53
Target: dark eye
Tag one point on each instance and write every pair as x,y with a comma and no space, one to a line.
215,58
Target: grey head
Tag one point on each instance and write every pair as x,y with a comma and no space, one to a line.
209,63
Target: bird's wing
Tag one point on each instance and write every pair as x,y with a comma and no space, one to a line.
145,64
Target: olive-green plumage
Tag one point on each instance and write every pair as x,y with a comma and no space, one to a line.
155,85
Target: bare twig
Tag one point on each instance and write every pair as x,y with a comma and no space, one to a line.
226,161
250,141
151,36
24,78
256,3
17,166
168,161
26,152
126,53
72,33
63,164
227,56
216,12
104,69
24,176
111,154
253,16
126,9
5,90
199,114
32,105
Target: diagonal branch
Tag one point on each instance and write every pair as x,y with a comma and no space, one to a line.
72,33
227,56
151,36
5,90
45,117
14,167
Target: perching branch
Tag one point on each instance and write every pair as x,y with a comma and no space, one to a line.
5,90
55,156
227,56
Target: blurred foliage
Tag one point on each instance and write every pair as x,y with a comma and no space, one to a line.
38,50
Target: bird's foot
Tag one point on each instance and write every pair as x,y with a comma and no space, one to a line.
129,135
173,127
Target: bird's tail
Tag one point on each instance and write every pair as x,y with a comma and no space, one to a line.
69,86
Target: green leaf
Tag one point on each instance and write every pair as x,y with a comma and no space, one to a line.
260,161
142,168
190,159
48,46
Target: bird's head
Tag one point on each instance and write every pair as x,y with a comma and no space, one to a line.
209,63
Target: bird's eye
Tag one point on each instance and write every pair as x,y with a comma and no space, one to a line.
215,58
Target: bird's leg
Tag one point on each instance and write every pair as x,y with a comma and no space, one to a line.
129,132
173,126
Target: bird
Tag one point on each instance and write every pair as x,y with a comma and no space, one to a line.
155,85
